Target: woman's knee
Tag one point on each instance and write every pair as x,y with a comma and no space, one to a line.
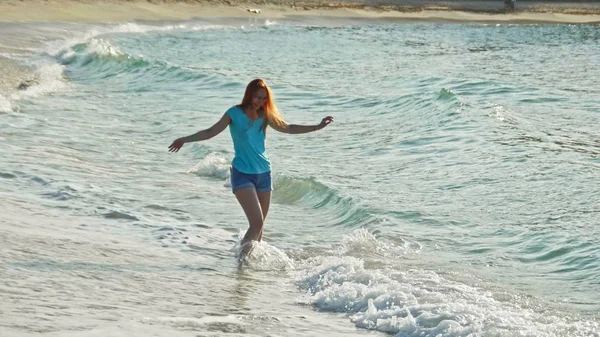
256,222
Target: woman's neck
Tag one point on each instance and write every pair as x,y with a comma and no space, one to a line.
252,112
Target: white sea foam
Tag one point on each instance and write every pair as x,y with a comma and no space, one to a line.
262,255
5,105
213,165
103,47
48,78
362,241
93,32
500,113
417,302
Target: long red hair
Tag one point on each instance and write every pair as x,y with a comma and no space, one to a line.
271,113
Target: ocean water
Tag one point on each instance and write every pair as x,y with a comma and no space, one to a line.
457,193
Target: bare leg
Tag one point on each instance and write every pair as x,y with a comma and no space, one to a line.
264,198
248,199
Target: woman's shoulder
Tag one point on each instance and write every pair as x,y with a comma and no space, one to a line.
234,110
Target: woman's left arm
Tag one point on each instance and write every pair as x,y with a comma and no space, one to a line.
298,129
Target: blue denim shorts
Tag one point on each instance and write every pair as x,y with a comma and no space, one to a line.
261,182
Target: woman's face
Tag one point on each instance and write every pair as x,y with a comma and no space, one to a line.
259,98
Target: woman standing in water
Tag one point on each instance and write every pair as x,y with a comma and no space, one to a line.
251,168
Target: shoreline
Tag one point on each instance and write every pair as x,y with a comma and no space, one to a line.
103,11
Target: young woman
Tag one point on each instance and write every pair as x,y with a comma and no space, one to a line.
251,168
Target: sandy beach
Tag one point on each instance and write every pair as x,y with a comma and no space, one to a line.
462,11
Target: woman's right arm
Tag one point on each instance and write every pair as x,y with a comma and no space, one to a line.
214,130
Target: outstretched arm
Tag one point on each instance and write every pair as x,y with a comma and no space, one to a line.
297,129
214,130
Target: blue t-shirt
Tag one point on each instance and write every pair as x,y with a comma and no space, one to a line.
248,143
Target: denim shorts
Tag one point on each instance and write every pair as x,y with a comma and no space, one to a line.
261,182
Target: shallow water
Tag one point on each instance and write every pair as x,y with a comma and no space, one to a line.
456,194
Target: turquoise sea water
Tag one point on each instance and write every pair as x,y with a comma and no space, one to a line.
456,194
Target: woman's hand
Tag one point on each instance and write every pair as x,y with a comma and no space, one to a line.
325,122
177,144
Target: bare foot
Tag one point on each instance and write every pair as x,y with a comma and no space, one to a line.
245,250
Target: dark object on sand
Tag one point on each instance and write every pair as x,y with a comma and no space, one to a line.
509,6
26,84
